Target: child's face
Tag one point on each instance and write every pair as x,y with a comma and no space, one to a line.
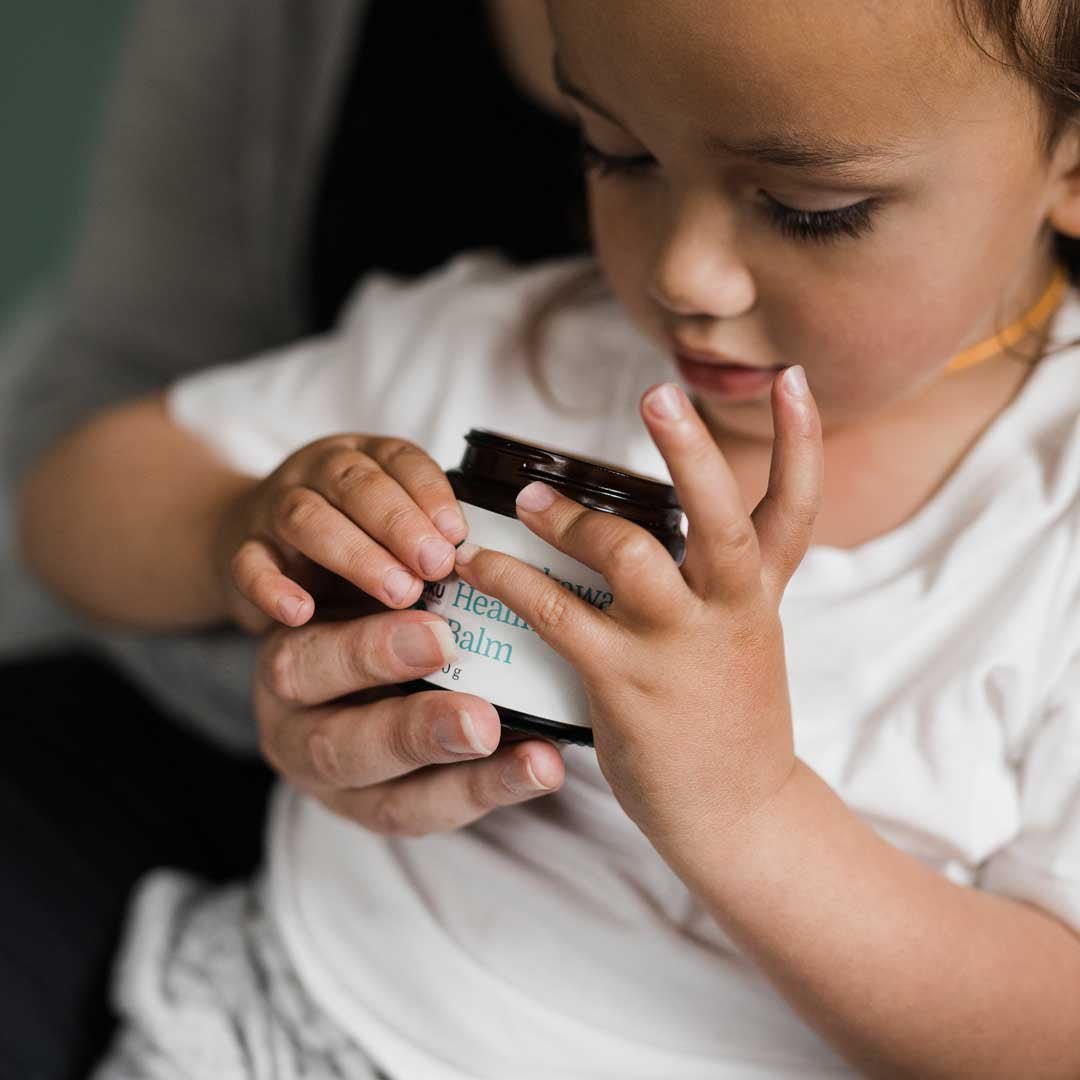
956,191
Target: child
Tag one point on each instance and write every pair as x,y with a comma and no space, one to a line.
853,846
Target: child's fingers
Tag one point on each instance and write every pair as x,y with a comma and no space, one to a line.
303,519
784,519
425,483
576,630
358,486
256,572
644,579
721,545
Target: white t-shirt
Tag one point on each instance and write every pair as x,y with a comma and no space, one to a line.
935,684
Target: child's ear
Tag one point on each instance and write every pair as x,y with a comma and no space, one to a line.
1064,213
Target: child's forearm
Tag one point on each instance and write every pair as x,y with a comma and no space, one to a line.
119,519
903,972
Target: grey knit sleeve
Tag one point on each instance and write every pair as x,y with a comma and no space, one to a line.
192,252
192,245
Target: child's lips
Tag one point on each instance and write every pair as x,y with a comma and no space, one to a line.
719,376
701,356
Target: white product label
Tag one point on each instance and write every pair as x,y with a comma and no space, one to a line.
500,656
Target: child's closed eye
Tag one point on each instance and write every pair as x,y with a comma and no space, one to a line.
817,225
822,225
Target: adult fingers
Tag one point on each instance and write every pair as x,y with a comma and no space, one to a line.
345,746
721,545
644,579
320,662
447,797
784,519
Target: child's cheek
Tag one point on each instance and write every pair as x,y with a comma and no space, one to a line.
865,349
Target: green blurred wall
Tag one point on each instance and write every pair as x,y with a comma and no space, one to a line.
56,61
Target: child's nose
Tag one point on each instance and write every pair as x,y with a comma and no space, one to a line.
698,270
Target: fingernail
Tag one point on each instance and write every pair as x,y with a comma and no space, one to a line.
398,584
520,779
291,608
666,402
434,553
536,496
795,382
456,732
450,523
424,645
466,553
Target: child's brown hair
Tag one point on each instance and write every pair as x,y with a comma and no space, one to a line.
1041,41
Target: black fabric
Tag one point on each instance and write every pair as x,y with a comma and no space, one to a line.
437,152
96,787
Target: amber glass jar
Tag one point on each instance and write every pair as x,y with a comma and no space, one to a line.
500,657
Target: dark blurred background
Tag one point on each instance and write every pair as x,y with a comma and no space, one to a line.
57,58
55,61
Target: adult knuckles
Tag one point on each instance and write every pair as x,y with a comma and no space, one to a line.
277,665
320,751
269,747
268,715
484,791
408,736
391,815
368,656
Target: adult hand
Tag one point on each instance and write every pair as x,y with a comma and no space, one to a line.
334,723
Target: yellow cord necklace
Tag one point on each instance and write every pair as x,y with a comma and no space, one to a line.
1044,307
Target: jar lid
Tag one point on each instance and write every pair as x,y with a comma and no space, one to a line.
505,460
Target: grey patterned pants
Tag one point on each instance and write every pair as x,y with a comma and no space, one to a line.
205,992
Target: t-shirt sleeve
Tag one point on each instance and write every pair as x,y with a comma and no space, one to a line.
256,412
1041,865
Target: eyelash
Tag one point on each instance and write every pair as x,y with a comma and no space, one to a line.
820,226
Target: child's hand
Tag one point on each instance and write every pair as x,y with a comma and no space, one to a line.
377,512
685,672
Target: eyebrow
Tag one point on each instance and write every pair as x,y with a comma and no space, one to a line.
789,150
